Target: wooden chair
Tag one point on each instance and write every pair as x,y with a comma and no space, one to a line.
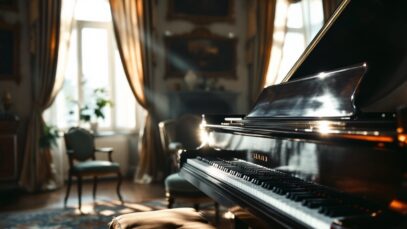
176,134
81,151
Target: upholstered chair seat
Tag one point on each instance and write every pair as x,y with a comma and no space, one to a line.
177,185
96,167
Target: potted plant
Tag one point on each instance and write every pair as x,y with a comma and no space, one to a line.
48,139
49,136
91,113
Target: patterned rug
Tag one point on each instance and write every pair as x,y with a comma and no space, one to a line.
96,215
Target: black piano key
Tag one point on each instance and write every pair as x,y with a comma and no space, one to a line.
299,195
282,189
271,184
337,211
320,202
261,180
267,185
299,198
255,181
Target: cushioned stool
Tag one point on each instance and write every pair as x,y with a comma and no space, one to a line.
180,218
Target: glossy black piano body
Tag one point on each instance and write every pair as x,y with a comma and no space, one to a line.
330,132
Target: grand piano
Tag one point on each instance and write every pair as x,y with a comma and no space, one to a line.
327,147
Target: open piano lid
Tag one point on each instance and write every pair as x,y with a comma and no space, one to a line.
363,31
326,95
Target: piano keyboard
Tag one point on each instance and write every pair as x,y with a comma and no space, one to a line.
313,205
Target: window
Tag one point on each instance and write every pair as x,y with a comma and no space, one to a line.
93,63
301,21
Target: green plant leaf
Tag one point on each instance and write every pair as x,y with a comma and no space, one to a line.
99,113
95,109
49,136
84,117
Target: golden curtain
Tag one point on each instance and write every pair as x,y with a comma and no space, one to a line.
131,20
44,29
262,43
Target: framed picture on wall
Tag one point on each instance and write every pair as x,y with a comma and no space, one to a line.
201,11
9,43
204,53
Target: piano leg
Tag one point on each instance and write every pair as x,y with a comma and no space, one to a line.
170,201
240,224
196,206
217,214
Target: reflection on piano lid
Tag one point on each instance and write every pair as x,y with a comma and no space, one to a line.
326,148
328,94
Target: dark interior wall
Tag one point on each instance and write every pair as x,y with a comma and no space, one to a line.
20,90
165,27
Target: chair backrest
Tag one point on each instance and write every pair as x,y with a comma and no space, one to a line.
80,142
184,130
167,133
187,131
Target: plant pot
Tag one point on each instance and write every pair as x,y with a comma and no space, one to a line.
94,126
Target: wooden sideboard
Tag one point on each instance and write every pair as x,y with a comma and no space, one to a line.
8,151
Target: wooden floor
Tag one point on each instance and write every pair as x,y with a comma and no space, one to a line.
130,191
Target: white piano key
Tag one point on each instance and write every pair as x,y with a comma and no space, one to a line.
307,216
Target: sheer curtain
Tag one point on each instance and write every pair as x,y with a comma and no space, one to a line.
296,24
66,21
276,55
263,40
131,21
66,26
45,25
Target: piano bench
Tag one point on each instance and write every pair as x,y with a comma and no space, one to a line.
168,218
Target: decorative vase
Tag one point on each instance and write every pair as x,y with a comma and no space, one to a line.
191,80
94,126
7,101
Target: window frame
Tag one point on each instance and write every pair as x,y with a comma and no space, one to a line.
80,25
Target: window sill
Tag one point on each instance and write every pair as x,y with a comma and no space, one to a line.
111,133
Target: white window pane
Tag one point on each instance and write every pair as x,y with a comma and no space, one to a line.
95,57
295,19
317,17
293,47
125,103
304,19
93,10
313,17
95,68
107,121
68,99
316,12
